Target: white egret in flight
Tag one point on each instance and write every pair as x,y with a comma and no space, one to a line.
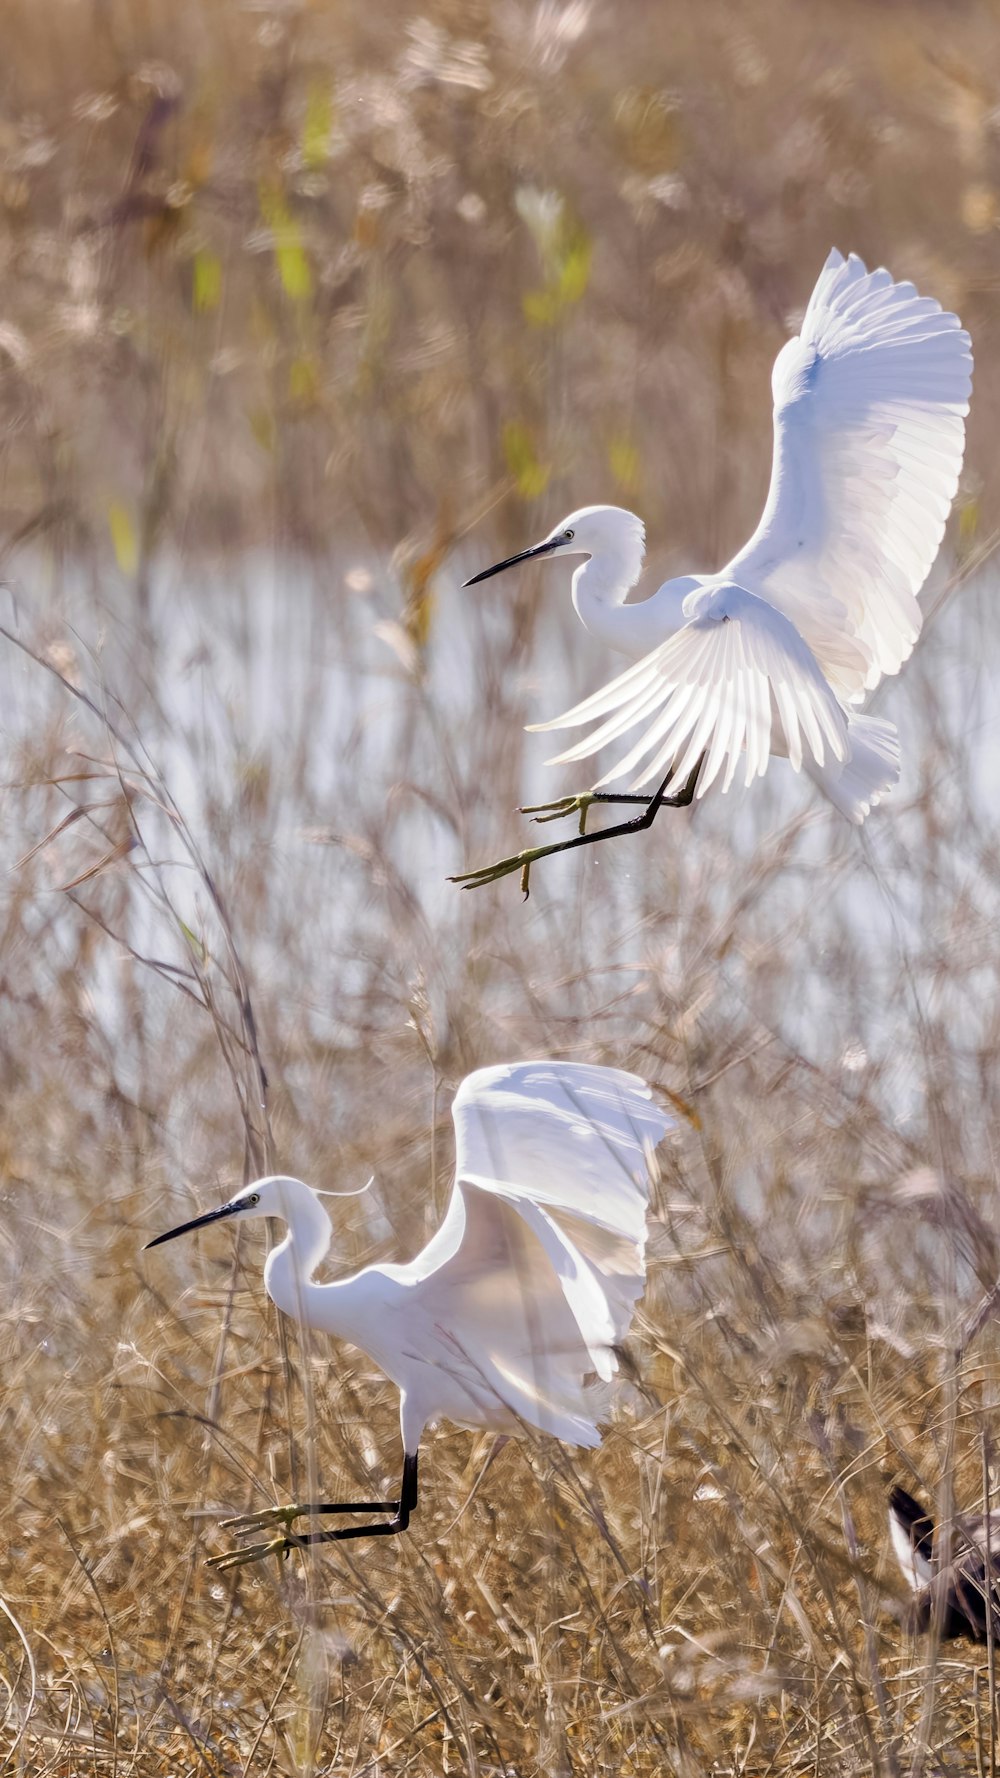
774,653
967,1591
516,1303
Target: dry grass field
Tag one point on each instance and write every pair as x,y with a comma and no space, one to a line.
306,312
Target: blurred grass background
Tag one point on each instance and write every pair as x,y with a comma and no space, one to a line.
307,311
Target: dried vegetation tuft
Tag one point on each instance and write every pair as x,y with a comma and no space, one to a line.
292,300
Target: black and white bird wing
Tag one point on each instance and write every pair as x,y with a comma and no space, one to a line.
911,1531
548,1212
714,688
962,1598
870,401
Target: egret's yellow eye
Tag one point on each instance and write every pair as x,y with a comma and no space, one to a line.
569,536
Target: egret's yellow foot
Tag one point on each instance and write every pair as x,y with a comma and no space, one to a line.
565,805
505,867
272,1515
252,1552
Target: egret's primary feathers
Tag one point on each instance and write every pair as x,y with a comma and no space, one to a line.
519,1299
966,1593
771,654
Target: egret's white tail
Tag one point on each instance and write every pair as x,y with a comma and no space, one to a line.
869,771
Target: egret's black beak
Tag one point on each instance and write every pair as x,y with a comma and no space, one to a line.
197,1222
524,555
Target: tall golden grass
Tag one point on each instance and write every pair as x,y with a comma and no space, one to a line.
306,312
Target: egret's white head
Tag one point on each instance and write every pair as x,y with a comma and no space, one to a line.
610,533
275,1196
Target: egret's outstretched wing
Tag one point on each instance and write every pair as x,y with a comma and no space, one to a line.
540,1257
710,690
571,1136
869,429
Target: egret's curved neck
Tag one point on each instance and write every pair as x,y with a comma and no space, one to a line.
289,1268
599,588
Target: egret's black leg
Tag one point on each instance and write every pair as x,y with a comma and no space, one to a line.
523,861
277,1515
580,804
402,1507
286,1515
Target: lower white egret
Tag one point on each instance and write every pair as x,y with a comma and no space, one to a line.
773,653
968,1588
516,1303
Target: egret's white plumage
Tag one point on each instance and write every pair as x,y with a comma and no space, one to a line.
771,654
518,1300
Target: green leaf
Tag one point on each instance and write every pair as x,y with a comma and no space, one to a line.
623,461
193,942
574,272
968,524
541,307
206,292
530,475
566,251
293,266
123,537
303,379
262,427
316,127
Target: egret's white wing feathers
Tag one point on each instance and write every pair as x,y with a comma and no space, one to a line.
546,1225
571,1136
867,775
712,689
869,431
506,1334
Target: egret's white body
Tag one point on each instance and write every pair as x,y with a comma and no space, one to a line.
518,1300
772,653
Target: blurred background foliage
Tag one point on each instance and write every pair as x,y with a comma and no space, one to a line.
315,272
306,311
